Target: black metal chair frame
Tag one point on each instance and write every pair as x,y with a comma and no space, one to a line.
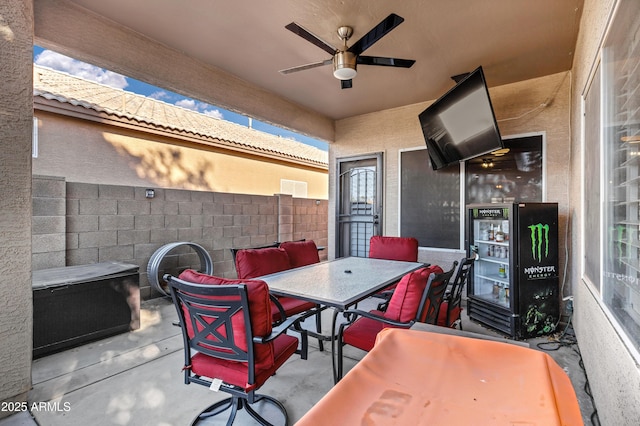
194,298
453,296
435,296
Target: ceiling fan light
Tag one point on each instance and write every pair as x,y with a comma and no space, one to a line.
344,65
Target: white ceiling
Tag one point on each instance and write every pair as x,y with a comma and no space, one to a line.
513,40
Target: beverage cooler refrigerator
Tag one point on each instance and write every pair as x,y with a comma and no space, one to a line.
513,287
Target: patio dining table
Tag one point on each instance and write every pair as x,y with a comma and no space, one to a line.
338,283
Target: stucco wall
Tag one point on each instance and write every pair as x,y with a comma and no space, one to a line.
16,109
518,110
614,376
87,151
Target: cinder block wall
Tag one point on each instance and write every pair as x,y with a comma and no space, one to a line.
81,223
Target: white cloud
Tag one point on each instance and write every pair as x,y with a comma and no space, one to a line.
74,67
188,104
213,113
159,95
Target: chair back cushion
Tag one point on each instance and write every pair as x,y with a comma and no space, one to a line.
251,263
393,248
259,311
301,253
406,298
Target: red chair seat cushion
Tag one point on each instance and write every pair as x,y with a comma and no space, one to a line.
393,248
442,314
251,263
236,373
259,306
406,298
362,333
301,253
291,306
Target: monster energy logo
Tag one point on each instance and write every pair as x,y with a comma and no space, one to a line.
539,233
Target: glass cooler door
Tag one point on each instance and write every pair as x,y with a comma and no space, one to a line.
491,242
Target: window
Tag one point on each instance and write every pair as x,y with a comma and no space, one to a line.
512,176
429,201
620,80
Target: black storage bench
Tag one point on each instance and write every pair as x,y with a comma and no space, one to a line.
73,305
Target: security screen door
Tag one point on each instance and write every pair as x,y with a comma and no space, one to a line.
359,204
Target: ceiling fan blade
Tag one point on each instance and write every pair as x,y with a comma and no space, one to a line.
346,84
311,38
379,31
387,62
306,67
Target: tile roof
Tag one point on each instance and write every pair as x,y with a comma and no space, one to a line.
55,85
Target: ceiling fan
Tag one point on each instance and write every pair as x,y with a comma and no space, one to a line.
346,59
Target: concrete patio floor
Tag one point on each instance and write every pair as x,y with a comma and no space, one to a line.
136,379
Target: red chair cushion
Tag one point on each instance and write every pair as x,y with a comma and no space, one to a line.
260,311
362,333
406,298
393,248
442,314
291,306
251,263
301,253
236,373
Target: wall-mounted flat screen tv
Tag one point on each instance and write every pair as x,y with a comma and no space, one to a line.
461,124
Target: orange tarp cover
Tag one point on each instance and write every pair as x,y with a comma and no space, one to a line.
419,378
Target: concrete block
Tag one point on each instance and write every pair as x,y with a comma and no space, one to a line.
223,198
48,186
54,259
202,196
232,209
49,206
98,206
134,236
163,236
113,222
84,223
133,207
224,220
77,190
97,239
116,192
48,224
198,221
82,256
232,231
189,208
177,195
72,241
149,222
242,199
209,233
190,234
212,208
177,221
43,243
116,253
163,207
241,220
251,209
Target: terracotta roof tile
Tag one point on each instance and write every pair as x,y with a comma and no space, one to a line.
51,84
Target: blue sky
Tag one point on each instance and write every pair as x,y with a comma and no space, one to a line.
72,66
